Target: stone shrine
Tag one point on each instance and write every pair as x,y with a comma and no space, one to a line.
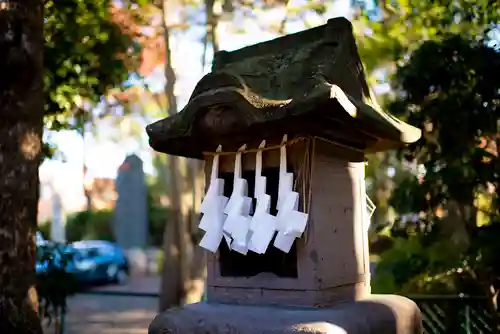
289,122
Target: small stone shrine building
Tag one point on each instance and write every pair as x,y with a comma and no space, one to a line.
311,87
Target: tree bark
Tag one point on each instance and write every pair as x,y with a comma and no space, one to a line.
212,21
198,268
21,126
183,276
173,275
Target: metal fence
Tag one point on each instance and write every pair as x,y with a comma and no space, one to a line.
440,314
454,314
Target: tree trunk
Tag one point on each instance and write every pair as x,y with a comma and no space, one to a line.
183,277
195,286
198,268
211,23
87,186
21,126
171,285
174,273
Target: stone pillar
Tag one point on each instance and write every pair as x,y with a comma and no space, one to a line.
130,215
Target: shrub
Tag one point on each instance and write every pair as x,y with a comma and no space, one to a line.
98,225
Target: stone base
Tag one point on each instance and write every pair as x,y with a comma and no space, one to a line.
379,314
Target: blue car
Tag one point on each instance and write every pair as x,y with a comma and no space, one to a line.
51,256
99,261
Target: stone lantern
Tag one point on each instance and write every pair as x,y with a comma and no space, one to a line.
287,121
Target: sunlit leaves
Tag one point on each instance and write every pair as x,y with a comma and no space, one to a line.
393,29
458,94
83,55
446,83
451,91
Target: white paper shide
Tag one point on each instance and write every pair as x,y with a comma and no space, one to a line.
212,209
238,210
231,218
263,225
291,222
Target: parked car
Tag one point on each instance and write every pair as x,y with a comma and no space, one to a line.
99,261
50,256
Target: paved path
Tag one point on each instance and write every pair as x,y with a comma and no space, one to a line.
147,284
95,314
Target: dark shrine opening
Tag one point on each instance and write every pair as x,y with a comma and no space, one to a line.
234,264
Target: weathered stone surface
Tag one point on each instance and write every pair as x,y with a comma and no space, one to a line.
308,83
333,265
382,314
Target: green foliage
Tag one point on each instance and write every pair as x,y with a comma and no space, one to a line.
160,261
90,225
391,273
397,28
83,57
455,100
446,83
158,217
415,266
98,225
44,228
85,225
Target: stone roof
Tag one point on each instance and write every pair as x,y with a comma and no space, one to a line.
311,83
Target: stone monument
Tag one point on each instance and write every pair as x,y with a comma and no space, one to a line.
283,127
131,213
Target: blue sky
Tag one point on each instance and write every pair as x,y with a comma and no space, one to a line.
103,156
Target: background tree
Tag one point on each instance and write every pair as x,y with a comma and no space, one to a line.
391,30
455,99
175,264
388,33
89,48
83,57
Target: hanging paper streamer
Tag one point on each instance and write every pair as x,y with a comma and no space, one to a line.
216,187
290,222
229,218
240,186
260,181
236,224
212,208
263,225
212,239
238,209
240,235
285,184
215,217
